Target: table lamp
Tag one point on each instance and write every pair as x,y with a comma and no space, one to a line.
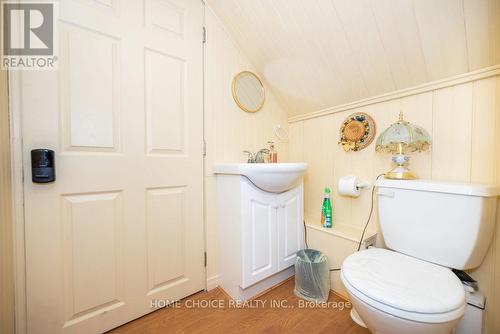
400,139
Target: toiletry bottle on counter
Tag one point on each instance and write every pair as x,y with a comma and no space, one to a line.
326,210
273,155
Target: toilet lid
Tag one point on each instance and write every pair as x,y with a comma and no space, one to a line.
403,282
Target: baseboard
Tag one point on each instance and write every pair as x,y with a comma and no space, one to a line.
340,295
271,288
212,282
264,285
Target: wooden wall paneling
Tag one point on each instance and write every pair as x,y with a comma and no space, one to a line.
492,321
339,79
334,42
384,114
451,133
495,297
362,32
483,171
319,54
278,117
483,131
394,28
495,31
477,32
342,163
428,19
228,129
455,80
452,33
317,174
464,121
211,77
296,142
296,69
211,231
362,165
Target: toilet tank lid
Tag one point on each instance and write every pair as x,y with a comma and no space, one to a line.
467,189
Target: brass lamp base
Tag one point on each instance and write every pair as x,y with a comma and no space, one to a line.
401,173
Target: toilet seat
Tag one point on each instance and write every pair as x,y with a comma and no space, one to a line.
403,286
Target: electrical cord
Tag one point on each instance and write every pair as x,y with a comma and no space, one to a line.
305,234
368,220
366,224
371,212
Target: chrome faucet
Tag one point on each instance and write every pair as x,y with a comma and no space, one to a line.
250,157
257,157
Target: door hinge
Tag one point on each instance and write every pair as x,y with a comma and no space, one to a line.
204,37
204,148
205,258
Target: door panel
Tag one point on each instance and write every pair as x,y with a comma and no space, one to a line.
89,113
290,227
165,76
92,254
259,240
165,220
123,223
164,15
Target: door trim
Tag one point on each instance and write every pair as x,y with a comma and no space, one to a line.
204,160
7,321
17,201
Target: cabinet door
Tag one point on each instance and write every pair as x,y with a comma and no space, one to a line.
290,226
258,235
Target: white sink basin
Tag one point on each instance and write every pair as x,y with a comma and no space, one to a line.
275,178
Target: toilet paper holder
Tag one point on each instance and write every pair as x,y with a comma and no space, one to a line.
351,186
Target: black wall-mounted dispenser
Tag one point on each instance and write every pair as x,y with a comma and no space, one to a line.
43,168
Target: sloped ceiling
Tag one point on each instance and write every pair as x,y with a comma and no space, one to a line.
316,54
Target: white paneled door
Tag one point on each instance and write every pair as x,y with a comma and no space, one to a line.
122,225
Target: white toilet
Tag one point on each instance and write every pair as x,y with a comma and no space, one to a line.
429,228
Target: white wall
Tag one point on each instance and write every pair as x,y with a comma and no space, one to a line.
464,121
228,129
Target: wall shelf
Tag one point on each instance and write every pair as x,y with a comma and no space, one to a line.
345,231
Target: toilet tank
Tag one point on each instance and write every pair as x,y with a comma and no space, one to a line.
450,224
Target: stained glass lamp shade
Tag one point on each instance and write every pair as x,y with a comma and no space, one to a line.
400,139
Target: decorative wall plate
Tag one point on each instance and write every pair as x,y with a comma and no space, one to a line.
357,132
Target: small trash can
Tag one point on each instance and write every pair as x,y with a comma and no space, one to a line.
312,275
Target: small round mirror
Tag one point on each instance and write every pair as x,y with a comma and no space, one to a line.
248,91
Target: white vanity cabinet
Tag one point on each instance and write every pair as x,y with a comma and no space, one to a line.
259,235
272,231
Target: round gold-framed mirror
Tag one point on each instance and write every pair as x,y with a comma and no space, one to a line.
248,91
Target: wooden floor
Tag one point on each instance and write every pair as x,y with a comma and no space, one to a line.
277,311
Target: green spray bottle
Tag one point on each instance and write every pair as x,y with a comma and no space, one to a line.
326,211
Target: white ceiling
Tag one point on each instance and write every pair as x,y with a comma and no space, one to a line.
316,54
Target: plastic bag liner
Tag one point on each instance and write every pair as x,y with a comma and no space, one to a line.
312,275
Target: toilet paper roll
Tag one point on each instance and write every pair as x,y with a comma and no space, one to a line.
348,186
